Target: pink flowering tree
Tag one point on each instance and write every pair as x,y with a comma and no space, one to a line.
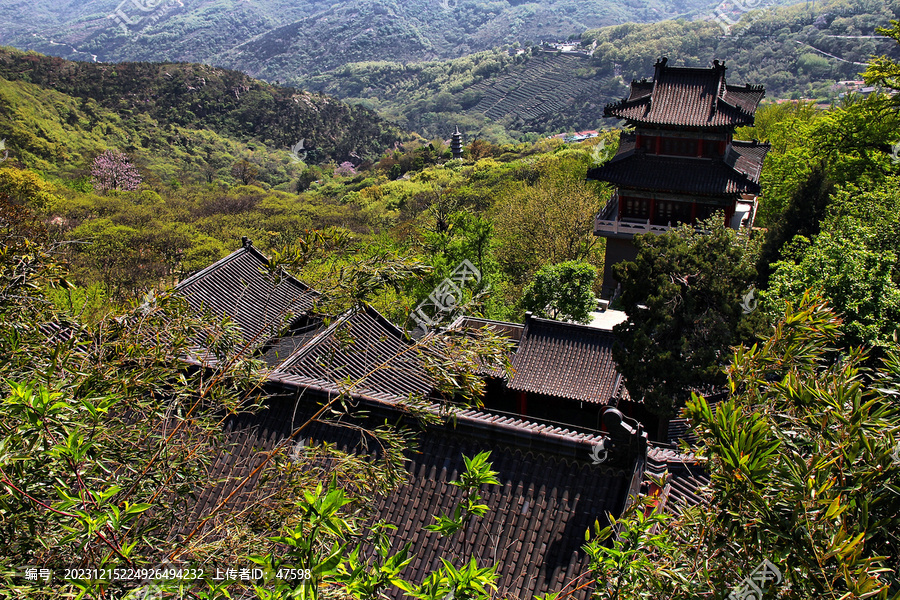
345,168
112,171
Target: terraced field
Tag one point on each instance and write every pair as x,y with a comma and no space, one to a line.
490,95
550,84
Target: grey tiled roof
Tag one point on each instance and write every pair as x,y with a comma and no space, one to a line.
550,491
688,97
361,349
539,514
240,287
280,349
687,475
565,360
737,173
747,158
510,331
687,478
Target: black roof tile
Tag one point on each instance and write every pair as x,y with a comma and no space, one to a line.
688,97
537,549
565,360
550,493
737,173
687,478
362,348
240,287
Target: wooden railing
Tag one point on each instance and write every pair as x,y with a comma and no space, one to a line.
608,222
631,226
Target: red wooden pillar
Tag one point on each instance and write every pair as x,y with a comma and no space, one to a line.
693,213
523,403
652,208
729,212
700,148
658,143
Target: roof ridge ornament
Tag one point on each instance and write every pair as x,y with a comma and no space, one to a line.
246,242
720,67
658,69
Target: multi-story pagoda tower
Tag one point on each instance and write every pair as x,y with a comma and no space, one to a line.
680,163
456,145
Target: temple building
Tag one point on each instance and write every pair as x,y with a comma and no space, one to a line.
456,144
559,427
679,164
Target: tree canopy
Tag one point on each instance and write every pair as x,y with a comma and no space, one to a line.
106,437
563,291
854,263
804,474
683,295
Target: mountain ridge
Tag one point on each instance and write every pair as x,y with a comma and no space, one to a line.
204,97
780,48
213,31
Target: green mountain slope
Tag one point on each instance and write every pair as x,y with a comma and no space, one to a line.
278,39
202,97
490,94
59,135
794,51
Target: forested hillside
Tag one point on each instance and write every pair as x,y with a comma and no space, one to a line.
280,39
202,97
794,51
116,182
422,30
59,135
201,190
799,51
501,87
208,177
494,94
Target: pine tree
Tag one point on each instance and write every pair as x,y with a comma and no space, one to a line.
683,294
